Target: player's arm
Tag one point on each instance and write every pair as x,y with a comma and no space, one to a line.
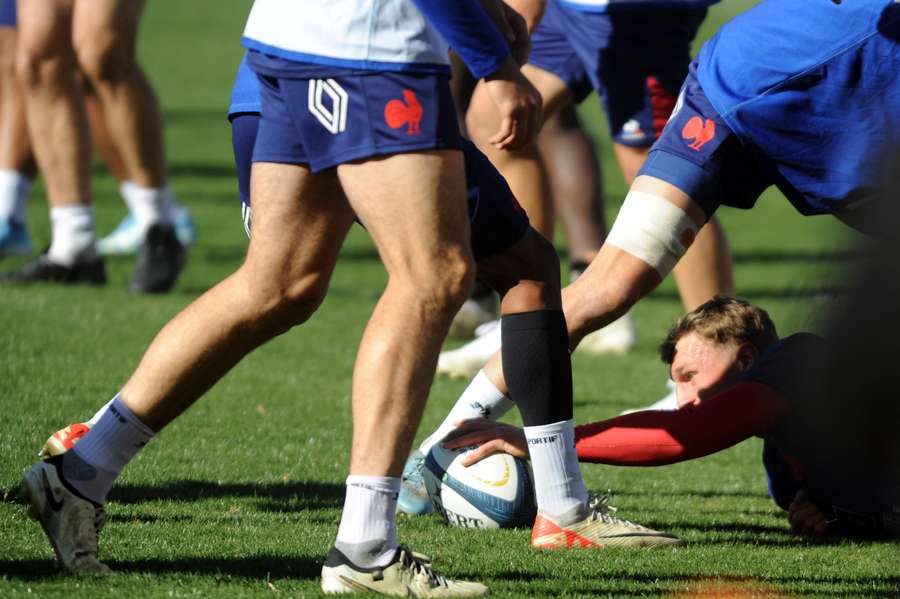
654,228
649,438
475,38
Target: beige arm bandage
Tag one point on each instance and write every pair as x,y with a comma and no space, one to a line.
652,229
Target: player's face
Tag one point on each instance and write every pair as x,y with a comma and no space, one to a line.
703,368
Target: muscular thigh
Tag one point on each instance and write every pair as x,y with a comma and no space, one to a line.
413,205
300,220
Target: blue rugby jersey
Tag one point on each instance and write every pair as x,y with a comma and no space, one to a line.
617,5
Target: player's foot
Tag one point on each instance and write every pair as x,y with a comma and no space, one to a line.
158,263
467,360
72,524
62,440
126,238
44,270
618,337
473,313
14,239
408,575
598,528
413,498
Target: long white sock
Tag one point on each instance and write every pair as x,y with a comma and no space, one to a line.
14,190
368,531
481,399
149,205
558,484
74,237
93,464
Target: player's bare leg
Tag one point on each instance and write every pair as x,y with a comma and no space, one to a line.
282,281
523,169
423,241
17,168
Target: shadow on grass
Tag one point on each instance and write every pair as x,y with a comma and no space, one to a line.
713,585
307,495
261,567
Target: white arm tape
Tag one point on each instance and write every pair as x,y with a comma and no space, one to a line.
652,229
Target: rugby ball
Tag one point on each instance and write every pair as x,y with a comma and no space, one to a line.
497,492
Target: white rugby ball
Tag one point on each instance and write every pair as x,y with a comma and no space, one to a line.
497,492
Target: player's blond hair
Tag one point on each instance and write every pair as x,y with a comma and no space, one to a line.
725,320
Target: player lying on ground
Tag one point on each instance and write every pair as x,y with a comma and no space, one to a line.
735,379
745,120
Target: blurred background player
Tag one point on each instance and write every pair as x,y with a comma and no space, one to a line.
736,379
17,168
57,40
636,56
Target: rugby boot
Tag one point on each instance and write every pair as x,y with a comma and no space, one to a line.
72,524
43,270
126,238
62,440
408,575
466,361
14,239
597,528
413,498
159,261
617,338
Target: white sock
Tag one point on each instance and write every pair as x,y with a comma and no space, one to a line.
368,531
14,190
149,205
558,484
481,399
93,464
74,237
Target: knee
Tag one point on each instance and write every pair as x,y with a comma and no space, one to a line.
39,64
104,61
445,286
7,54
280,307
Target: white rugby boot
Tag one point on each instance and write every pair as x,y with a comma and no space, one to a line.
466,361
618,337
408,575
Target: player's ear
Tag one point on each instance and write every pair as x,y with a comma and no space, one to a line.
746,356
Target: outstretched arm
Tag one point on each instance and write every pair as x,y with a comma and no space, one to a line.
648,438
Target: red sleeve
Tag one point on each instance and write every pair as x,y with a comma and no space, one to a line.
655,438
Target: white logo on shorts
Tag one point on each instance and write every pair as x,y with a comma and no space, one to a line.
335,119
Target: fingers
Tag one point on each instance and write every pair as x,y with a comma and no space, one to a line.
806,518
483,451
468,439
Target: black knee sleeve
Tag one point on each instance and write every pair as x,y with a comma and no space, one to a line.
536,365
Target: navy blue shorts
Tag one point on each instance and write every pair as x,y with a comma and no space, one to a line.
498,221
636,60
8,13
348,116
700,155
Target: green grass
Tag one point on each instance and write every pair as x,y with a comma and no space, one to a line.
241,496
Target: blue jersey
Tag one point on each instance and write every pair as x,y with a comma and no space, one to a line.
796,459
813,86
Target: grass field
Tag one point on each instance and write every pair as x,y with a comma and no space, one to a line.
241,496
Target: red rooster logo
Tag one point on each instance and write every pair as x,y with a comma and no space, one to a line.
700,130
398,113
